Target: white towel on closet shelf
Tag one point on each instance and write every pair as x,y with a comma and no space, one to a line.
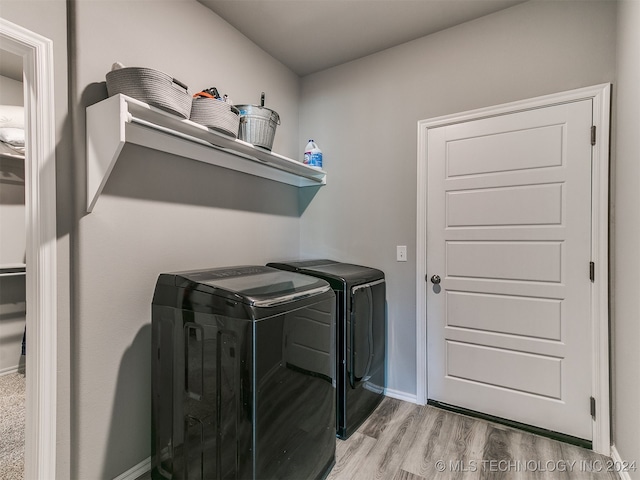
12,136
11,150
11,116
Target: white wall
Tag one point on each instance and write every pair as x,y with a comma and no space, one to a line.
12,245
10,91
363,115
160,213
626,228
12,211
12,253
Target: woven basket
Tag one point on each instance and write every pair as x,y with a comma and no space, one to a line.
152,87
216,114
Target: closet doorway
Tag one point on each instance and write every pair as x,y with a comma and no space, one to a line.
12,266
36,53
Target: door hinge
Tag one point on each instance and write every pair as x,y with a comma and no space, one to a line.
593,135
593,407
592,271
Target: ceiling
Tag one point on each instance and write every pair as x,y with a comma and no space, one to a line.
311,35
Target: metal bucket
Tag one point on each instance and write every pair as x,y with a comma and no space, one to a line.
258,125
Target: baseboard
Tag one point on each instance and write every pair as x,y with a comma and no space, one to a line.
407,397
10,370
135,472
617,460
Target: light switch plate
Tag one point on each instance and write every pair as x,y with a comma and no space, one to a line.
401,253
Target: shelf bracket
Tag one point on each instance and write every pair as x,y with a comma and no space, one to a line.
105,140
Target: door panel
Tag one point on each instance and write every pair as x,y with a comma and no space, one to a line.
538,205
498,367
528,317
499,260
512,155
509,229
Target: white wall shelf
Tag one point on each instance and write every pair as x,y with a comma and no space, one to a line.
119,119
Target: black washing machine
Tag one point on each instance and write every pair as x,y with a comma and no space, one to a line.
361,336
243,375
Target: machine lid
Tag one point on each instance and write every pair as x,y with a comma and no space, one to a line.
310,263
346,272
254,285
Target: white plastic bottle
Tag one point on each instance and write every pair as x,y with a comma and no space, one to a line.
312,155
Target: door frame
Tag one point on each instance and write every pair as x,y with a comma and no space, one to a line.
600,385
40,205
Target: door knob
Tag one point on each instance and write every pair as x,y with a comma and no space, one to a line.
435,279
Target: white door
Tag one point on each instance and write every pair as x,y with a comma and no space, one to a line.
509,235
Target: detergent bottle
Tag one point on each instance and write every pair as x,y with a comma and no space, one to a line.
312,155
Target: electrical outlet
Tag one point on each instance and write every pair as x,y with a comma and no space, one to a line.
401,253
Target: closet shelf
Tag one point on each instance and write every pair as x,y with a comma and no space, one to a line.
13,269
4,156
119,119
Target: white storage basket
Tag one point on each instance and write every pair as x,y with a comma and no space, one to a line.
216,114
152,87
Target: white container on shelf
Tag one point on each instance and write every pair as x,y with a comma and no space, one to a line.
313,155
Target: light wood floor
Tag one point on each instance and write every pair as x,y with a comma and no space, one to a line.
403,441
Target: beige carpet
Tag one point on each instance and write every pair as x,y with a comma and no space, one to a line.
12,414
